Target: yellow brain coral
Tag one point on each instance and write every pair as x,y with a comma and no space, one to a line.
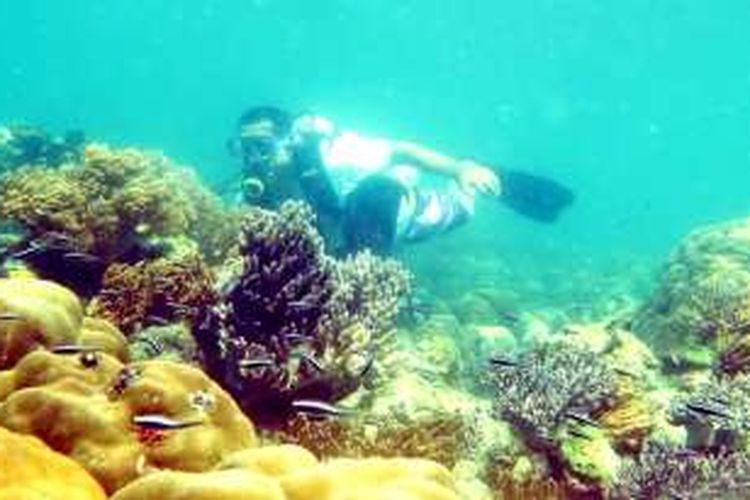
292,473
122,421
29,470
37,313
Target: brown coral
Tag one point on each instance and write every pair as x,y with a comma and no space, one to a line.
155,292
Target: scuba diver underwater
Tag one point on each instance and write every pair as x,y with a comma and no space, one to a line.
371,192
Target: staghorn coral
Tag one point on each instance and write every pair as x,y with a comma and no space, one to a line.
547,387
296,324
95,403
664,471
154,292
29,470
292,473
553,397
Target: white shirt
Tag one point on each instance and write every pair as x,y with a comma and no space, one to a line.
349,157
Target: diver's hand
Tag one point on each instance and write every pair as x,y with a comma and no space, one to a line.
473,176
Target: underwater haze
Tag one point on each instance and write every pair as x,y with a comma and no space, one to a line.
642,106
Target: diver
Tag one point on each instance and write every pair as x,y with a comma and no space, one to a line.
371,192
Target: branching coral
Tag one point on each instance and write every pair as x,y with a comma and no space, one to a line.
549,387
716,415
155,292
664,471
553,397
296,324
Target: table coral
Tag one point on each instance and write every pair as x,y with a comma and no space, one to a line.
291,473
29,470
94,413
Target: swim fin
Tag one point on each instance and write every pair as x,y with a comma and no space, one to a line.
533,196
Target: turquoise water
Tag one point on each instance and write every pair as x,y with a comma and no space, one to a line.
642,106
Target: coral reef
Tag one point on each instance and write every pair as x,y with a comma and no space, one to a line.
716,414
506,487
702,305
292,473
29,470
115,206
638,409
553,397
29,145
443,438
38,313
296,325
121,421
549,387
156,292
664,471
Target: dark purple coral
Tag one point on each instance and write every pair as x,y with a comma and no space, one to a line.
296,324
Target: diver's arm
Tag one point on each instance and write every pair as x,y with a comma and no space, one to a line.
469,174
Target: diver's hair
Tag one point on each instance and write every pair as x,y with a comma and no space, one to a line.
281,120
